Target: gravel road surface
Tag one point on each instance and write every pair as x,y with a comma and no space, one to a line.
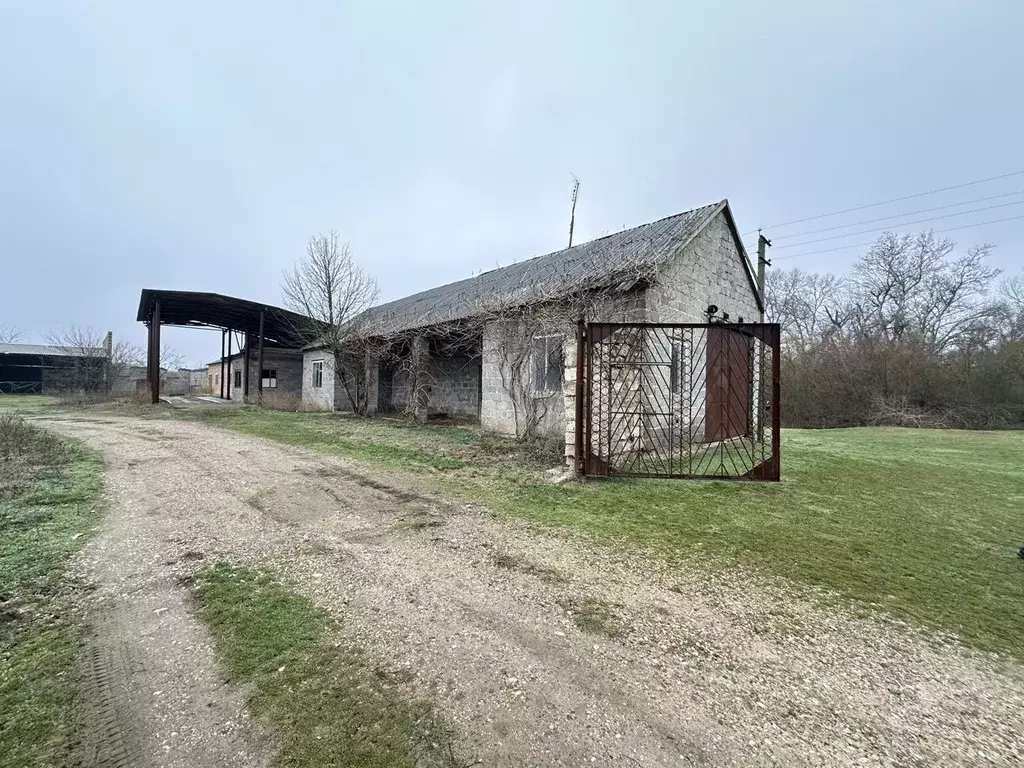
674,666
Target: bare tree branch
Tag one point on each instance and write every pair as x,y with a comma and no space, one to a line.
10,334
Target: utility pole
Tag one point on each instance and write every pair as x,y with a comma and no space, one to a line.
572,216
763,243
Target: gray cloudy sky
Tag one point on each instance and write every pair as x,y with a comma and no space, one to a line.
198,145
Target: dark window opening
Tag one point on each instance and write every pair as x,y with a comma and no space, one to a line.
548,364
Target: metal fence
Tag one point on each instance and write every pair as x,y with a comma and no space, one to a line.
680,400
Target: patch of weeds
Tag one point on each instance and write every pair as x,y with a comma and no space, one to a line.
49,501
516,562
593,615
328,703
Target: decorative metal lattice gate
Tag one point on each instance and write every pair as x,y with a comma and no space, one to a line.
685,400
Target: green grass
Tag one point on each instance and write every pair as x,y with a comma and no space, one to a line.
372,441
49,497
923,524
326,701
27,403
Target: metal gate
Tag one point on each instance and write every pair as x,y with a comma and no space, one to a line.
684,400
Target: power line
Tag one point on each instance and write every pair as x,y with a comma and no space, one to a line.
865,245
904,224
896,216
892,200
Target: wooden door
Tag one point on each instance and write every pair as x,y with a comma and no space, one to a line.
728,385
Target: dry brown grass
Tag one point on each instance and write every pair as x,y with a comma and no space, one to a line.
284,401
24,449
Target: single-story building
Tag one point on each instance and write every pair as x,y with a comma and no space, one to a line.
132,380
500,347
48,368
282,374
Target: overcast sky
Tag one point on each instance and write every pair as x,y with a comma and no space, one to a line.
198,145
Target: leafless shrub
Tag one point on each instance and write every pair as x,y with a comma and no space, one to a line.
78,398
547,449
913,338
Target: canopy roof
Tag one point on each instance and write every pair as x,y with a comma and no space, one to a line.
214,310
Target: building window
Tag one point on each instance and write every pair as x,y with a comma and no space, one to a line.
238,379
269,378
548,364
318,373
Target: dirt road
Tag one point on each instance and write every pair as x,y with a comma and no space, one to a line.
676,667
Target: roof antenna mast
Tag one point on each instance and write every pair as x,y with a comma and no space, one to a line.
572,216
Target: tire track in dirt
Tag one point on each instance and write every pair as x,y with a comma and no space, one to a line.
154,696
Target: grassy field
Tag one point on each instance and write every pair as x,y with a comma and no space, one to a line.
49,498
922,524
26,403
327,703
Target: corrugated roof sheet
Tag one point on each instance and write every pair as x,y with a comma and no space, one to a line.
597,264
53,351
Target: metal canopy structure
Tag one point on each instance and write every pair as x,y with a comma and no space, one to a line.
268,325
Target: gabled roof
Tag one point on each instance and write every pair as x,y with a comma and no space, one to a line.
610,261
51,350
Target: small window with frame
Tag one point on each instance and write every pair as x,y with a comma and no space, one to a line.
269,378
318,373
548,364
238,379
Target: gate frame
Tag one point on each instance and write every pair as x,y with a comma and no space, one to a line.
769,334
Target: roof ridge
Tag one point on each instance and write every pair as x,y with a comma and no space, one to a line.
545,255
584,265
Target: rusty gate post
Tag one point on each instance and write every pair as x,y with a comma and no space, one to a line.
149,355
231,373
245,368
259,361
223,331
581,335
776,337
154,354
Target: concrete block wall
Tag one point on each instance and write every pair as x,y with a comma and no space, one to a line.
454,385
497,412
451,385
287,362
322,396
709,270
332,395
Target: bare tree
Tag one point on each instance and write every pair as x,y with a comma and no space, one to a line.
913,337
1008,311
908,288
332,290
10,334
93,359
806,305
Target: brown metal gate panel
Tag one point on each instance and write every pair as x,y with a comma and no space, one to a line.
681,400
